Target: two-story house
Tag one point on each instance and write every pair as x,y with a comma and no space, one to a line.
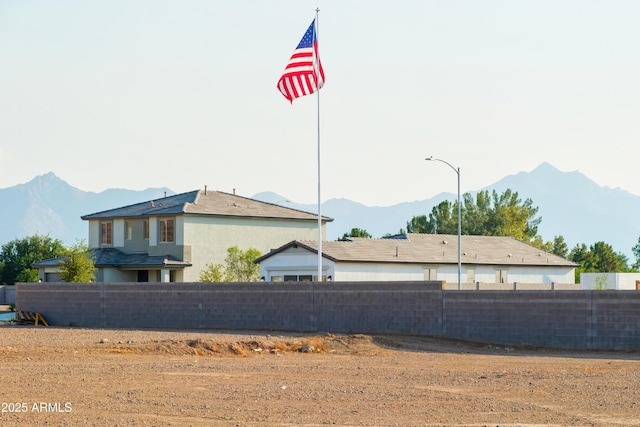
172,239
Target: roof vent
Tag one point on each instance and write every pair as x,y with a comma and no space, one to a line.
509,255
153,205
397,251
444,242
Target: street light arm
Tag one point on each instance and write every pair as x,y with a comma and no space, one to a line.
456,170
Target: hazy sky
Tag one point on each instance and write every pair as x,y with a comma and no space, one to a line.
182,94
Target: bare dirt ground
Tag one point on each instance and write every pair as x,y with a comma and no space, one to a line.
77,377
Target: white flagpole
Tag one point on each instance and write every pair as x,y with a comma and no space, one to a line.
319,199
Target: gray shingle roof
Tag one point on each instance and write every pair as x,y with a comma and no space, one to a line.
209,202
432,249
110,257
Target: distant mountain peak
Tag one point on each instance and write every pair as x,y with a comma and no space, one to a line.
544,167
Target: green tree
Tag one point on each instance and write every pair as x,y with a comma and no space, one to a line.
356,232
636,253
238,267
560,247
557,247
539,243
419,224
490,214
212,273
18,255
598,258
443,219
601,283
79,264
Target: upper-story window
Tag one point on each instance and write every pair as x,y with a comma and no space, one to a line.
146,228
105,233
166,230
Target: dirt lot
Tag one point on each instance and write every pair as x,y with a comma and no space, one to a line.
61,376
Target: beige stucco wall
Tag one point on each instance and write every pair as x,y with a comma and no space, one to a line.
209,238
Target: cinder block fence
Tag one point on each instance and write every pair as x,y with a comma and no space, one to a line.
605,320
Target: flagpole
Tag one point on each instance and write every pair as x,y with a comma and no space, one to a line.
319,199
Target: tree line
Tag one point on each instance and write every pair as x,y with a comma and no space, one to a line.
506,214
77,262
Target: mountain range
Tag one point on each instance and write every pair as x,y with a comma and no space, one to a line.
570,204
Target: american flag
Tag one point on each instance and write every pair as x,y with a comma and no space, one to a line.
303,74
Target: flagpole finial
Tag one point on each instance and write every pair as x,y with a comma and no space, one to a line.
317,9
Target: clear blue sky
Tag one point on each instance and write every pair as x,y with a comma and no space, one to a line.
182,94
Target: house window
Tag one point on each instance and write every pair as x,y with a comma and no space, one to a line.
128,230
105,233
166,230
146,228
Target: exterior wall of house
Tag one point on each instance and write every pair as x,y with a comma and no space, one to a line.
137,243
176,248
296,261
113,275
210,237
118,233
94,234
300,261
614,281
359,272
449,273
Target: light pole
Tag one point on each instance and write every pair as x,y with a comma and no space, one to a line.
457,171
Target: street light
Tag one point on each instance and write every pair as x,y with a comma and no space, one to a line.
457,171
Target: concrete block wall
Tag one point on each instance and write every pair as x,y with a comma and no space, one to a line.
535,318
615,319
7,294
385,308
608,320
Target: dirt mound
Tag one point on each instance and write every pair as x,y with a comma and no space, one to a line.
359,344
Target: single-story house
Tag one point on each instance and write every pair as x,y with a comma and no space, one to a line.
484,259
173,238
